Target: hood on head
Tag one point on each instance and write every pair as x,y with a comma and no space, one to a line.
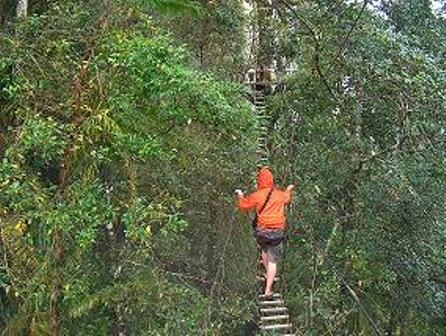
265,178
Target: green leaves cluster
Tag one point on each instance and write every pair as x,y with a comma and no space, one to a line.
361,133
100,107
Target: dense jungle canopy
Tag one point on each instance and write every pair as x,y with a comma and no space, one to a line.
125,128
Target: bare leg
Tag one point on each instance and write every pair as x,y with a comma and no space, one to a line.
265,261
270,275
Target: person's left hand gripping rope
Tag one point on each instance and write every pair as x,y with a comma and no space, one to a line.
238,192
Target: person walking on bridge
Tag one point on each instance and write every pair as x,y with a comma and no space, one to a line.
269,203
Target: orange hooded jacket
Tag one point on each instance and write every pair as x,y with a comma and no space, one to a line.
273,215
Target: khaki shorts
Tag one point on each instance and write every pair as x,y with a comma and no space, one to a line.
274,252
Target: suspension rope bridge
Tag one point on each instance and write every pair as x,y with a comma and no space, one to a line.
273,315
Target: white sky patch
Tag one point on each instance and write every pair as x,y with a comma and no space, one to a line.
436,5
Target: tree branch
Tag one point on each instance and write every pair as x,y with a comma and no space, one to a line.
440,280
316,40
304,22
376,330
347,37
319,71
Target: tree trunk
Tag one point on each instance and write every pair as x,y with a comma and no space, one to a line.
211,255
22,8
2,13
265,50
391,324
56,297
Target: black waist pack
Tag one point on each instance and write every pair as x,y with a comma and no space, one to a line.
254,222
269,237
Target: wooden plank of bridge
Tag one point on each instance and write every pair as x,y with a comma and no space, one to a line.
273,310
275,295
274,327
272,303
274,318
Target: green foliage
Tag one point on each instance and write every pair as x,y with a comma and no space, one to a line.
175,6
42,139
87,226
215,34
120,146
361,133
7,88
